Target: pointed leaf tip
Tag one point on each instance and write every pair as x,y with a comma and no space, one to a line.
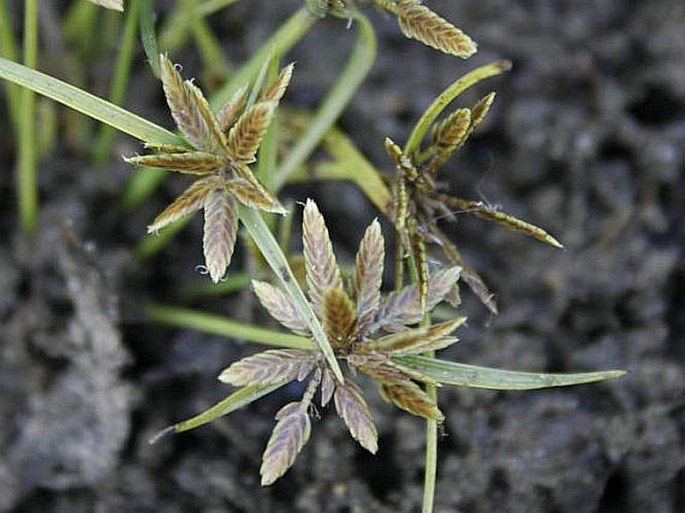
162,434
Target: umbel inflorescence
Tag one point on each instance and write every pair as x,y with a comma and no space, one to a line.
221,148
365,329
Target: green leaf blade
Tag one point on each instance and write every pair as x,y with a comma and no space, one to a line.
233,402
87,103
453,373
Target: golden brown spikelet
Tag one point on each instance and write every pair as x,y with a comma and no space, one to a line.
192,162
232,108
190,201
408,396
338,315
190,110
245,136
418,22
276,91
452,131
481,109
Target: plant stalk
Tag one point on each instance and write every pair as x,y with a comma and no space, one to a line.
117,93
27,187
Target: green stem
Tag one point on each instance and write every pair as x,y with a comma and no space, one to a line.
358,66
219,325
27,187
446,97
117,93
146,15
431,469
8,50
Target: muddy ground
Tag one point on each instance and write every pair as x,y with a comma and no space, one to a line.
587,139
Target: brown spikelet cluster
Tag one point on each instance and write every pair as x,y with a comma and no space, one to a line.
419,201
220,148
362,326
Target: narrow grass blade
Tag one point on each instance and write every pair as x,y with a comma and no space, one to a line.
146,16
219,325
358,66
233,402
265,241
87,103
453,373
122,72
27,186
234,282
8,50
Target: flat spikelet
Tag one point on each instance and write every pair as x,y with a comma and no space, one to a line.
197,163
322,271
355,412
481,109
403,307
287,440
192,200
368,275
453,130
232,108
408,396
418,340
338,316
190,110
220,229
245,136
280,307
418,22
269,367
276,91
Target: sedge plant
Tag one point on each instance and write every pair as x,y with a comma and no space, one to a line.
334,319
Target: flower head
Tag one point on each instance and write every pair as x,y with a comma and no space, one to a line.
220,149
364,328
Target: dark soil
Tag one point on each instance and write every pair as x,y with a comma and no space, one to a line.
586,138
